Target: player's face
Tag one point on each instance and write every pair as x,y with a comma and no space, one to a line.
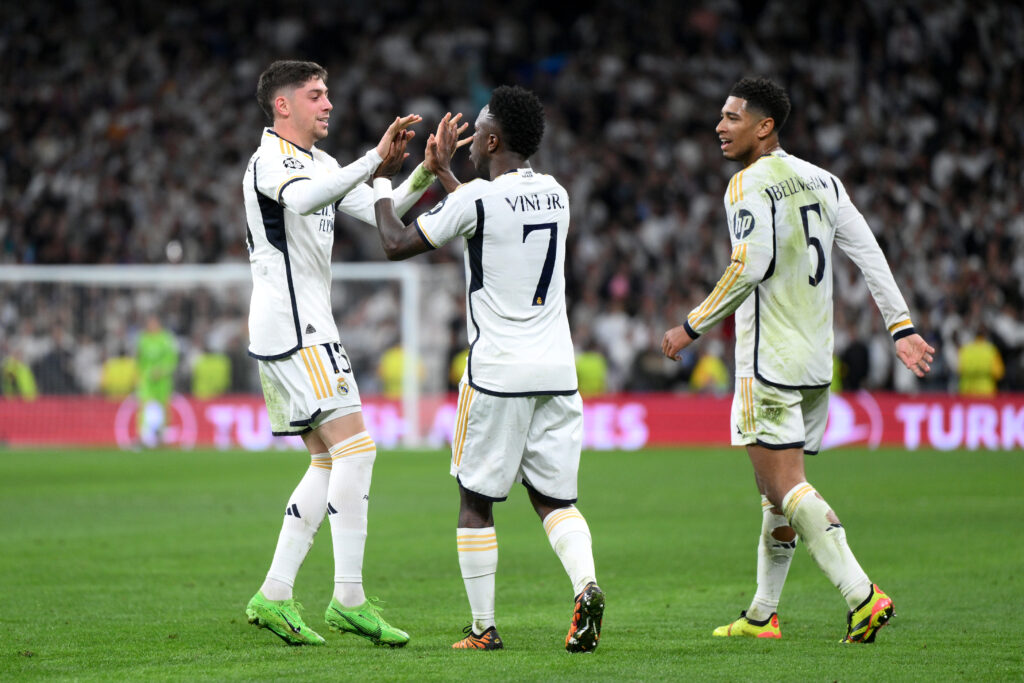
483,128
311,108
737,130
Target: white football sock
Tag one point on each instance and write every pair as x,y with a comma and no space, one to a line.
569,536
348,498
825,539
302,518
773,559
478,560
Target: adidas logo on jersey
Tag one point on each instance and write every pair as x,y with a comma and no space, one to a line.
310,329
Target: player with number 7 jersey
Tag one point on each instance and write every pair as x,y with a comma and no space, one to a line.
514,228
784,214
520,416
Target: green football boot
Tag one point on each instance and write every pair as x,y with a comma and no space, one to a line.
364,621
282,618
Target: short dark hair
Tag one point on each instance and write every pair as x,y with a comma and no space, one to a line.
766,96
282,74
520,115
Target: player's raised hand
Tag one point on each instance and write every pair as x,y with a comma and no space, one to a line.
400,124
915,353
457,130
395,155
674,341
442,144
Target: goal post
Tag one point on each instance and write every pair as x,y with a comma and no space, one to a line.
66,322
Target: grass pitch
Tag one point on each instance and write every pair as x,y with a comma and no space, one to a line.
137,566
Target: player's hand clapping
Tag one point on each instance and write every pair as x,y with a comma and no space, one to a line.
441,146
395,155
399,125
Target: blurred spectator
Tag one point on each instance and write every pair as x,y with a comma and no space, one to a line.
211,375
710,375
915,104
391,371
119,376
18,380
980,365
591,372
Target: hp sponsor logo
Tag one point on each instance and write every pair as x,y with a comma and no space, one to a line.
742,224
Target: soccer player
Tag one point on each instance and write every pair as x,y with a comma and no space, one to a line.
291,191
783,216
157,358
519,414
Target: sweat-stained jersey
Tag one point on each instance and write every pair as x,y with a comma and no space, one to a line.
514,228
784,214
291,195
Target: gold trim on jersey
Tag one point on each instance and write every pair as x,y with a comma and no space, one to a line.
725,283
555,518
287,148
736,187
363,444
472,543
423,232
461,424
287,180
900,325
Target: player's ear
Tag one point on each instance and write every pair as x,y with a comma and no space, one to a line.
493,141
281,106
766,127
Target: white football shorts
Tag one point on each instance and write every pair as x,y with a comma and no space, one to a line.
308,388
778,418
501,440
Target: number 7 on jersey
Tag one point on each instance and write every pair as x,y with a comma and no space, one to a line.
541,295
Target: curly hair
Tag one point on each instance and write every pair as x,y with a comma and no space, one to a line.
520,115
283,74
766,96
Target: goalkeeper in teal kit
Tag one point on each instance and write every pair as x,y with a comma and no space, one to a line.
784,214
157,358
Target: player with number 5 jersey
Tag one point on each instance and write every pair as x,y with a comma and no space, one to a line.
784,215
520,416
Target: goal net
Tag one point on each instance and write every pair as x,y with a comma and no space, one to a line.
69,337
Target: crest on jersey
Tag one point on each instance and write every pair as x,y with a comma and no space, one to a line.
293,163
342,387
742,224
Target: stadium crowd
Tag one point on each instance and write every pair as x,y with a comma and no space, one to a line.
125,129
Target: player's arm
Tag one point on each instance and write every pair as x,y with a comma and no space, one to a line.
751,257
857,241
359,202
400,241
305,194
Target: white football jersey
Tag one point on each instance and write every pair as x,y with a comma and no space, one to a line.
784,215
291,195
514,228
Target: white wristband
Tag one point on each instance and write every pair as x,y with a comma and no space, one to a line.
381,189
